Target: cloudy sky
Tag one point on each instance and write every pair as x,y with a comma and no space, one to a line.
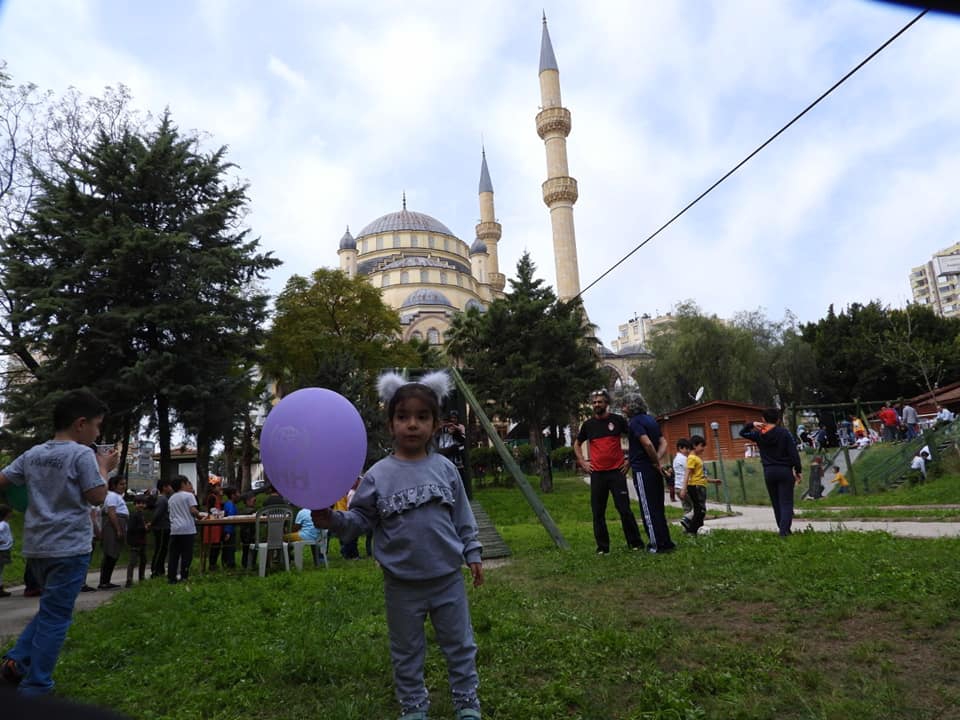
331,109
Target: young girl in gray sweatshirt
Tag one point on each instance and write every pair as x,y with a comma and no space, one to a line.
423,533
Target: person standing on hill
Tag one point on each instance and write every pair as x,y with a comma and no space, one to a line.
160,525
607,467
781,464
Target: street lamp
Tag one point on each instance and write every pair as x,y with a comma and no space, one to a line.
715,426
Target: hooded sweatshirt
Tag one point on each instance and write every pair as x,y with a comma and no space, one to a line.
776,444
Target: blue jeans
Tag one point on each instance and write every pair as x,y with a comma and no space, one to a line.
39,644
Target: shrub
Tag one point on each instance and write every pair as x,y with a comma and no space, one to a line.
563,458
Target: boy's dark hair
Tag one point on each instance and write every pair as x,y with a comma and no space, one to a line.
836,468
114,481
771,415
4,511
696,440
230,492
414,390
178,482
76,404
162,482
684,444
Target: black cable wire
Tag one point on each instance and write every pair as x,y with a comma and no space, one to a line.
751,155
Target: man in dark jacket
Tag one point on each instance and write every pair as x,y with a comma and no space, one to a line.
781,464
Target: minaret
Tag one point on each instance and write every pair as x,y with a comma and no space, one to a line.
348,254
488,229
560,190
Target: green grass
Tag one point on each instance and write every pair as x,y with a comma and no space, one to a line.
932,514
733,625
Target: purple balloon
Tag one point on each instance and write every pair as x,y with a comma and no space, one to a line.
313,445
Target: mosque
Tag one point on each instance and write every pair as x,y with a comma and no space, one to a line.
428,274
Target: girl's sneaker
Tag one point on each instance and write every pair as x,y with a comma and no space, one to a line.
468,714
420,715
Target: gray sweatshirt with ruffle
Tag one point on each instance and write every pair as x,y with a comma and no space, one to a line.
423,526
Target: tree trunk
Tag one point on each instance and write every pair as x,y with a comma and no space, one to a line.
542,458
246,455
163,431
124,445
229,469
203,465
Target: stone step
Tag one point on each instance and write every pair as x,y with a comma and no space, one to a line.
493,544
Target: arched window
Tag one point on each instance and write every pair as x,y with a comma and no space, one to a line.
443,278
404,277
433,336
431,241
414,242
386,280
424,276
396,240
380,243
446,244
417,335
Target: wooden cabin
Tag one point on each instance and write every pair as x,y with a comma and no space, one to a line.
696,420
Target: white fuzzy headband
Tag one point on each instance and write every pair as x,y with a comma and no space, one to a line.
437,381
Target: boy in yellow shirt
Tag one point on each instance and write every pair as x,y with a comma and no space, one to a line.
840,480
695,487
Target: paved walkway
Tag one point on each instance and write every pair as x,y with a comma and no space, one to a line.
16,611
760,517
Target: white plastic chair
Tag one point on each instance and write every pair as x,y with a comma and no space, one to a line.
318,546
277,519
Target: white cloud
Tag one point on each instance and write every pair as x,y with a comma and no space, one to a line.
332,109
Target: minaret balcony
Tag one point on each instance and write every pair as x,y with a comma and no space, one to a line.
553,121
489,231
560,189
497,281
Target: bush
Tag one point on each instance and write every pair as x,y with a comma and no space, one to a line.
485,463
526,458
563,458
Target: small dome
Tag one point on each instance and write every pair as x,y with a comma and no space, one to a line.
347,242
474,303
405,220
424,296
479,246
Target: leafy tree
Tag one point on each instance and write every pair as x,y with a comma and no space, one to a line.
333,331
876,353
39,131
528,354
134,276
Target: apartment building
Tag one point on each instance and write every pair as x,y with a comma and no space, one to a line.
937,282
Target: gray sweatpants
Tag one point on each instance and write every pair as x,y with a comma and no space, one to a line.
445,600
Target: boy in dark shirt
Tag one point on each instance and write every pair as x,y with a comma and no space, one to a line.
137,540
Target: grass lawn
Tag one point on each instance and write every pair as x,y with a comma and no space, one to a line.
732,625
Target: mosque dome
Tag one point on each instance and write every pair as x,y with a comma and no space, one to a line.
347,242
425,296
474,303
479,246
405,220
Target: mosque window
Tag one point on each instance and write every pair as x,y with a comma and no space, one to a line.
396,240
380,243
414,242
431,241
433,336
417,335
424,276
446,244
460,279
443,278
404,277
386,280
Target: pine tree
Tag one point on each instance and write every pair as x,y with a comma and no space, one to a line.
136,278
530,355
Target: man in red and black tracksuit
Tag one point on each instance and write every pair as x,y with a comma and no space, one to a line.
607,471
